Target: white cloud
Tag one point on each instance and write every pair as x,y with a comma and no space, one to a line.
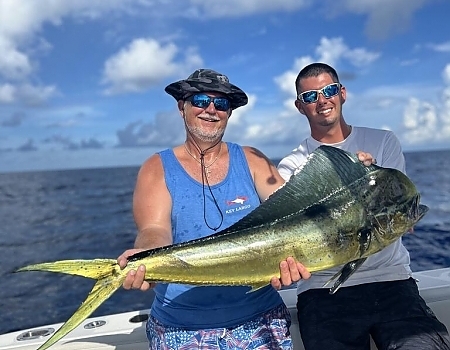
360,57
410,62
166,130
446,106
235,8
332,50
443,47
238,114
14,65
7,93
143,64
32,95
419,120
35,94
140,65
385,17
286,81
446,75
426,122
20,21
445,115
20,26
260,127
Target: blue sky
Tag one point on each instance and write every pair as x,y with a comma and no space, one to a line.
82,81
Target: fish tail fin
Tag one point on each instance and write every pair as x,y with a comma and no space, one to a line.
95,269
101,291
109,278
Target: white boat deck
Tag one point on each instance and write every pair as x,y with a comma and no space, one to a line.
126,331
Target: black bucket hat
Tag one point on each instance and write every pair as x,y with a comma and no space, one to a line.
204,80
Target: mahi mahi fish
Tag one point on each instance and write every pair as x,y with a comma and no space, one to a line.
333,211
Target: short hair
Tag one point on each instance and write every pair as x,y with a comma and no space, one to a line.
315,69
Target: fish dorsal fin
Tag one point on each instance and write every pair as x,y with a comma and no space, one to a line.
327,170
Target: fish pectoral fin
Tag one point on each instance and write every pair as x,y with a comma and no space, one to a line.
257,286
344,274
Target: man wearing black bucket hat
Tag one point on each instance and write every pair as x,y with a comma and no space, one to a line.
207,80
194,190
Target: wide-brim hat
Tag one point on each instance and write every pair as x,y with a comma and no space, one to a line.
205,80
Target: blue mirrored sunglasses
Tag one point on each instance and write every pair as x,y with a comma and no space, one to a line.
328,91
203,101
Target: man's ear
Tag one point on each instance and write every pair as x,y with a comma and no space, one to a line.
180,105
299,106
343,94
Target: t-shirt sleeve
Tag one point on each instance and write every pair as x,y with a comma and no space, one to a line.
392,153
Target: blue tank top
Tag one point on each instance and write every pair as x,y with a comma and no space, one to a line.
194,307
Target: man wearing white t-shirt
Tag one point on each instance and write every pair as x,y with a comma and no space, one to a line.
381,298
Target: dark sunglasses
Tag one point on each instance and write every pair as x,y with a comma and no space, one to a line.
328,91
203,101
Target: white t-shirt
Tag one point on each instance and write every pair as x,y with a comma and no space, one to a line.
392,263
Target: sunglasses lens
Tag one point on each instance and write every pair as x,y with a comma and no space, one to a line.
330,90
221,104
200,101
203,101
327,91
309,96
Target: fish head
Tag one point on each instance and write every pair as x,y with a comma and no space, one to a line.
393,205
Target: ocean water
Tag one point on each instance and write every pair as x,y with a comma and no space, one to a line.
86,214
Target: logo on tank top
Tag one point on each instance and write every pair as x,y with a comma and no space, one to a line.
237,204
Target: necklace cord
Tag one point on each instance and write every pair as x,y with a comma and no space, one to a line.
205,178
202,157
